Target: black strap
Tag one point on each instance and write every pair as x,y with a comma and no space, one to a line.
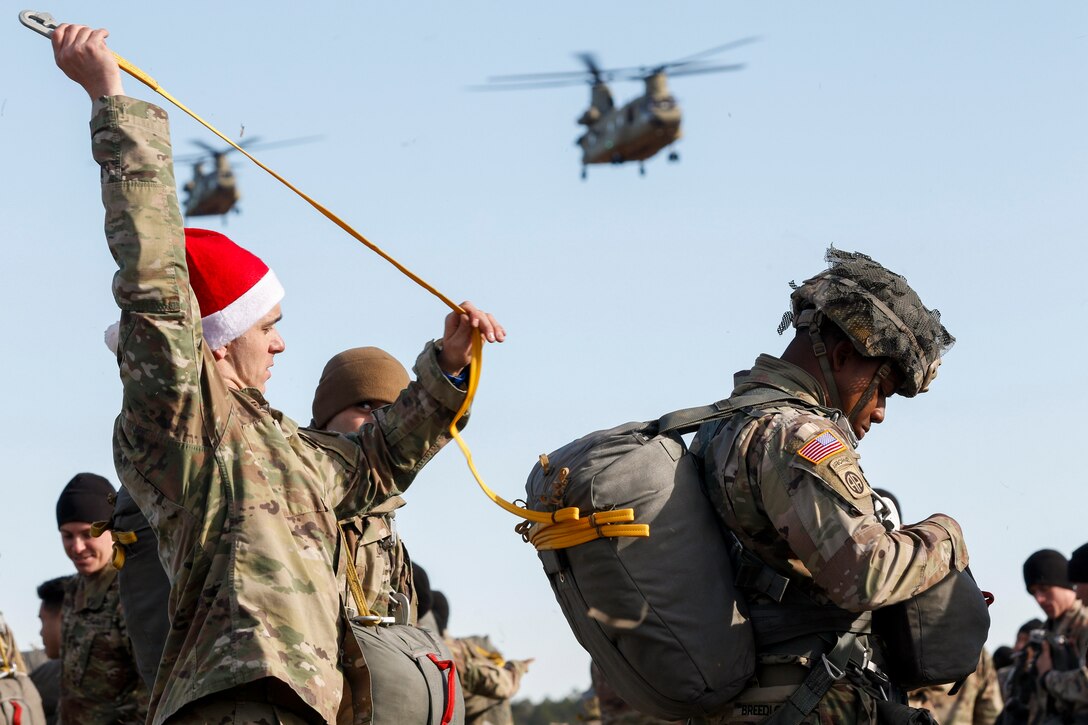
777,623
688,419
826,672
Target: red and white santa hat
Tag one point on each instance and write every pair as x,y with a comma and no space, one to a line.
234,288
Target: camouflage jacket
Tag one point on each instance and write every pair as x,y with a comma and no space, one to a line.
613,709
381,559
1065,693
241,499
487,680
785,478
978,702
100,683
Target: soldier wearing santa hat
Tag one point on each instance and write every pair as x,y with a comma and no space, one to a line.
243,501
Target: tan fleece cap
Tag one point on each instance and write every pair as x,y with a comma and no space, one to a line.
357,375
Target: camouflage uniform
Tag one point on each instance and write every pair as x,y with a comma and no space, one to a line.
613,709
487,680
1065,693
813,522
380,558
240,498
978,702
99,679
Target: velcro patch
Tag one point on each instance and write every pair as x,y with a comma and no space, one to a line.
847,470
821,447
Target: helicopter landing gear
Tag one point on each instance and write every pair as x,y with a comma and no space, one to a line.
673,156
641,169
584,173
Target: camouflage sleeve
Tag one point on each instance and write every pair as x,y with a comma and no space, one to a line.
1070,686
988,703
481,676
159,342
403,438
816,496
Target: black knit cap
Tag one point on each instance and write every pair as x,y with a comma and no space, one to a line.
85,499
441,610
422,583
1078,566
1047,567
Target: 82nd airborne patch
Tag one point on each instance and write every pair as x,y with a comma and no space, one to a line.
821,447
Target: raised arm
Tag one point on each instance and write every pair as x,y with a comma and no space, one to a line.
407,434
159,345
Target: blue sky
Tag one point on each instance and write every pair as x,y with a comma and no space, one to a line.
946,140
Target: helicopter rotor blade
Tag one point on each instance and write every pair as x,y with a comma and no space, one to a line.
698,70
711,51
206,146
530,85
592,65
255,144
571,74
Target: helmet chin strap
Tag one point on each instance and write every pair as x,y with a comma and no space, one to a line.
820,350
812,320
882,372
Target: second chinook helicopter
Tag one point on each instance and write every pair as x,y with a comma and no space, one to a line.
215,191
641,127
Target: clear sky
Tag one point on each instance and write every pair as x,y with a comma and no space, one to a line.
947,140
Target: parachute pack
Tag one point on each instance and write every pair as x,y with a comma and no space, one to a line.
662,616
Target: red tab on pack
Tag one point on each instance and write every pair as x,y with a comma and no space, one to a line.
822,446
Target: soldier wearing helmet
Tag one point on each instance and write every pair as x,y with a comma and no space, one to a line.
815,552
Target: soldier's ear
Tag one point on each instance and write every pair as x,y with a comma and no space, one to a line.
842,353
219,353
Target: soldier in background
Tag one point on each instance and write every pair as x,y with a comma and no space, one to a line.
613,709
353,384
978,701
785,479
487,680
1060,693
47,675
99,679
1078,573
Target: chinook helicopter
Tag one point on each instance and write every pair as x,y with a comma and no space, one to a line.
214,191
640,128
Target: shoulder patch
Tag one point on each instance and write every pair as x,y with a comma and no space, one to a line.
821,446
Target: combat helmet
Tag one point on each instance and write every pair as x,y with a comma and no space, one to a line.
880,314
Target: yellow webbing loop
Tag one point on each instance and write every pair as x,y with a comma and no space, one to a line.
7,667
353,576
121,539
577,532
495,657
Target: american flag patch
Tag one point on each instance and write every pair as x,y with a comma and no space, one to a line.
824,445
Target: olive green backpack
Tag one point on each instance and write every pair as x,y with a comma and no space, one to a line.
660,616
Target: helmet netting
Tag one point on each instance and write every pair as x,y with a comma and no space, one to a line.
880,313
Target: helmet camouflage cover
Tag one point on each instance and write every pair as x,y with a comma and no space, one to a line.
880,313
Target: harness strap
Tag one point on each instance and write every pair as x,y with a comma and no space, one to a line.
450,669
353,575
881,374
825,673
777,623
820,350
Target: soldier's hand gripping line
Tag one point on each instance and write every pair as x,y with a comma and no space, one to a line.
566,527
